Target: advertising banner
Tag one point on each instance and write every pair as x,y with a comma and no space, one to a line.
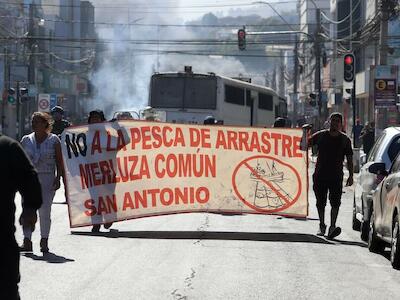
130,169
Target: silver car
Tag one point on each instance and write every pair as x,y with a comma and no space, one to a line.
385,151
385,220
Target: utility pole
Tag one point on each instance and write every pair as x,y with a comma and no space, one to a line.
18,111
31,46
383,49
317,50
5,88
281,86
295,79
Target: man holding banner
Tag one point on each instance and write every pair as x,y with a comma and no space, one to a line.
333,145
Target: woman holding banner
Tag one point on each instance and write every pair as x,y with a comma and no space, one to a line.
44,150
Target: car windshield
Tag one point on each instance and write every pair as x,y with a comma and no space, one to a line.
394,148
375,148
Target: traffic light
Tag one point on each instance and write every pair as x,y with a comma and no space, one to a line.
349,68
241,39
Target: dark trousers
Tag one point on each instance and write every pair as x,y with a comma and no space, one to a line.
10,272
322,187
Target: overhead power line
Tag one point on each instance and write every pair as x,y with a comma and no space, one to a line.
135,6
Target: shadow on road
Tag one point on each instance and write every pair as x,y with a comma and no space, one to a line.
215,235
49,257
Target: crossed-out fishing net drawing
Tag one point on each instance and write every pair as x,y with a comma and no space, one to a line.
269,186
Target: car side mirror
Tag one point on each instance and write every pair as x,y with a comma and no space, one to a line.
378,168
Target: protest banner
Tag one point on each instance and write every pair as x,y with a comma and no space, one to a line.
130,169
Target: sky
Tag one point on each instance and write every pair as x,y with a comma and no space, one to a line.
180,11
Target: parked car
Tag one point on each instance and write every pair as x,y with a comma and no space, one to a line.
385,215
384,151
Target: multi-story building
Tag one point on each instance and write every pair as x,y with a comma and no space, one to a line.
307,50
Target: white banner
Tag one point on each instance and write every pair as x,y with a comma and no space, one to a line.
130,169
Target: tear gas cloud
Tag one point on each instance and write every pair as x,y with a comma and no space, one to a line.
130,54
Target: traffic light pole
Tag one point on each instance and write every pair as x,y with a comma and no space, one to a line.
18,111
317,80
353,103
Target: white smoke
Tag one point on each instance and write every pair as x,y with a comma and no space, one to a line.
122,81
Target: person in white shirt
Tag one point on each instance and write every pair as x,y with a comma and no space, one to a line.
44,150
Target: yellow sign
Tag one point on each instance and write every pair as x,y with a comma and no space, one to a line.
380,84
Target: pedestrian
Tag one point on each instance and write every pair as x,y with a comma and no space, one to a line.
368,137
279,122
57,112
356,132
333,145
209,120
17,174
97,116
44,150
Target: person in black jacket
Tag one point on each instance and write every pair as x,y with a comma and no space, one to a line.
17,174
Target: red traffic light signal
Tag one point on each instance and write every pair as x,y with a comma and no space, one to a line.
348,67
348,59
241,39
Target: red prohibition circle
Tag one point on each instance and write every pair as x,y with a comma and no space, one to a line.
43,103
287,204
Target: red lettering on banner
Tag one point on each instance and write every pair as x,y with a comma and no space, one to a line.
130,168
156,133
232,140
121,140
123,169
166,200
185,165
94,168
276,137
266,148
202,195
167,143
286,145
221,142
144,168
140,199
135,137
96,145
102,207
195,135
179,138
109,147
243,139
296,147
153,193
106,172
86,178
106,206
165,197
205,138
91,209
146,137
128,203
254,142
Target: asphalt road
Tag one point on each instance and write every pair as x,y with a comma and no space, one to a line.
206,256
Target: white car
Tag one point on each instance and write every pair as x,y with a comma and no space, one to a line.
384,150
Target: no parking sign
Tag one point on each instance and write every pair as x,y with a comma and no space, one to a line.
44,102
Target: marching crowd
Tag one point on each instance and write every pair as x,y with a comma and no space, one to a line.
34,168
